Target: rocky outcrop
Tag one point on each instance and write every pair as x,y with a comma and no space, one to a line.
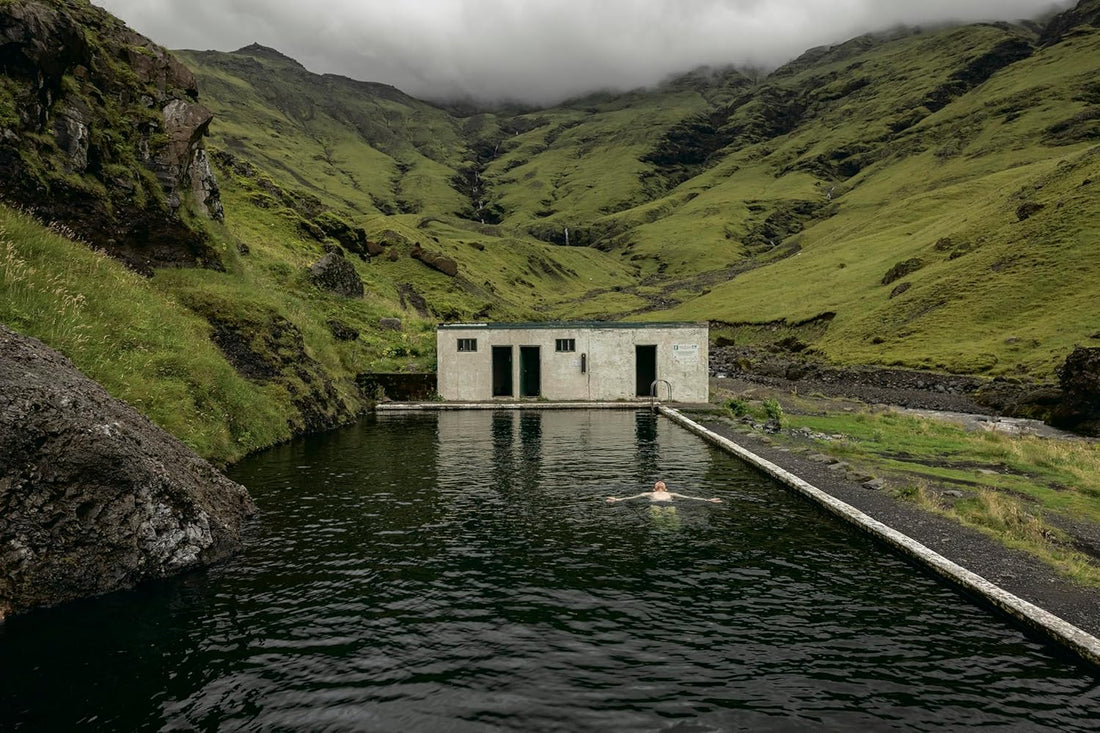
341,331
904,387
90,110
1079,378
1072,404
977,70
335,274
93,496
436,261
902,269
266,348
410,298
1085,14
353,239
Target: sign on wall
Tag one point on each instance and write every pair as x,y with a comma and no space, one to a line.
685,352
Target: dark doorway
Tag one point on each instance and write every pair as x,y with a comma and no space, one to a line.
529,375
645,359
502,371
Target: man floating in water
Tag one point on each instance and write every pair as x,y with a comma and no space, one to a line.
660,493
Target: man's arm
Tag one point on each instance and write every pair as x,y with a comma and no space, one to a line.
714,500
613,499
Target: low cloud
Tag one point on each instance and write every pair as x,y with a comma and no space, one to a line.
538,51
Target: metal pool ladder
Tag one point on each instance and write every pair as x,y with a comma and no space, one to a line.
653,391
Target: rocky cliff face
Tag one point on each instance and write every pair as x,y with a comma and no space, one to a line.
94,497
1085,14
101,129
1079,379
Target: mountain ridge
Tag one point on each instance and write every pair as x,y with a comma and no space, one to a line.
921,199
521,184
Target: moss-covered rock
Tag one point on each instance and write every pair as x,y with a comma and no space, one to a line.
1079,378
335,274
104,134
902,269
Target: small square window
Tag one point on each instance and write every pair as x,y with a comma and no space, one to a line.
467,344
565,344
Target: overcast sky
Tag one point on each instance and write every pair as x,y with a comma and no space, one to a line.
536,50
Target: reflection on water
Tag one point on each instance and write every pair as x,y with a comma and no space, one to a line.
461,571
664,517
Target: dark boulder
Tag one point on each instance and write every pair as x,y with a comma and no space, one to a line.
900,289
334,273
434,260
1027,209
341,331
1079,378
93,496
901,269
389,324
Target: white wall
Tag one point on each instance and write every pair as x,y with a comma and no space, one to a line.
682,355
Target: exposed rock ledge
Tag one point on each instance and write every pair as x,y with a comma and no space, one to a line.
93,496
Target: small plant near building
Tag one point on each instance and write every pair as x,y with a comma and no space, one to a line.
737,407
773,410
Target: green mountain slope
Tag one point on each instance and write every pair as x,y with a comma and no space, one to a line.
404,171
990,198
740,201
918,198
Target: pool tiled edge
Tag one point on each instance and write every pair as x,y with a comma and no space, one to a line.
1062,632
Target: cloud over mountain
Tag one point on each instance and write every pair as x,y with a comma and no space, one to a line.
538,50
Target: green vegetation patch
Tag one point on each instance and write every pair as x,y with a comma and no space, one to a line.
1016,488
143,347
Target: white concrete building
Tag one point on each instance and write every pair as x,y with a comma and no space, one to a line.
572,361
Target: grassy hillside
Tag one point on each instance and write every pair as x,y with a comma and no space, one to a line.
917,198
122,331
991,199
404,171
954,164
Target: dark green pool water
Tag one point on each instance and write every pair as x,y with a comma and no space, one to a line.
462,572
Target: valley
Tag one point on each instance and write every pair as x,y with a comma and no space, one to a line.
920,199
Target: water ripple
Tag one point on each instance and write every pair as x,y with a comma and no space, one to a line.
462,572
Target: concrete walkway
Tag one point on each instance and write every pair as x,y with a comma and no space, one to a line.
1056,629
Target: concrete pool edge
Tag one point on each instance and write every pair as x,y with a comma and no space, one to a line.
1084,645
511,405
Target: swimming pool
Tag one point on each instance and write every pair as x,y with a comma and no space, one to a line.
461,571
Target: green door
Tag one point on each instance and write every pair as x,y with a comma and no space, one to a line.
502,371
529,372
645,360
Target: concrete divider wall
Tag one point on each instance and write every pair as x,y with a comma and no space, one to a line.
1061,632
1054,628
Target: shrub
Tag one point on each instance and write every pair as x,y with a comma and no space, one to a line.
773,409
737,406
